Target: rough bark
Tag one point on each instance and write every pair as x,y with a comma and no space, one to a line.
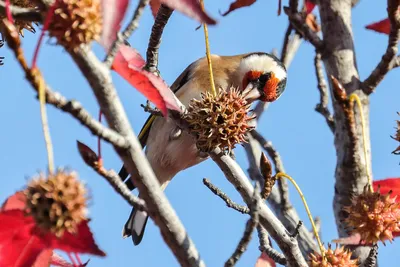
340,61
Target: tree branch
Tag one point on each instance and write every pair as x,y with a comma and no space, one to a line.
161,20
265,246
297,21
236,176
279,198
25,14
135,161
276,159
340,62
121,38
250,226
115,181
389,59
229,202
71,107
322,107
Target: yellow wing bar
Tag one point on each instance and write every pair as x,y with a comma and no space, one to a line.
146,127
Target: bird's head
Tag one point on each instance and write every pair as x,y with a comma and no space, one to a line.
263,77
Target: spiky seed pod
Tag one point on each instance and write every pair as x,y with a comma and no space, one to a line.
20,25
57,202
219,122
339,257
76,22
374,216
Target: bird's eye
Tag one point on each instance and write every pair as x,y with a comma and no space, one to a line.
264,78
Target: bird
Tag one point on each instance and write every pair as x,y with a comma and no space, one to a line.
169,150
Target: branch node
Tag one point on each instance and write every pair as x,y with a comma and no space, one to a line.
297,229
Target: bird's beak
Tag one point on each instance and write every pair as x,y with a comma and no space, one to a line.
251,93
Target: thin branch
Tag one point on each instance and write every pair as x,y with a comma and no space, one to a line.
291,43
276,158
262,237
389,59
71,107
297,21
149,109
20,13
294,5
286,213
229,202
265,246
317,222
115,181
161,20
296,232
238,179
121,38
250,226
322,107
160,210
76,110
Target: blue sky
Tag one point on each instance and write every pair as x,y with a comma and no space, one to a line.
298,132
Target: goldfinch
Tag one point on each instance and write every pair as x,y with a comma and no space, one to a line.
260,76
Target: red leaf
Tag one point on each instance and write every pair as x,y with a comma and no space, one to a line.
155,5
388,184
382,26
16,201
265,261
128,63
113,13
44,258
309,6
81,242
238,4
190,8
18,247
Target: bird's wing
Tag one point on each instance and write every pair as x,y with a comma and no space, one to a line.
144,132
178,84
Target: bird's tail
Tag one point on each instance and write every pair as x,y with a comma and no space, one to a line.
135,226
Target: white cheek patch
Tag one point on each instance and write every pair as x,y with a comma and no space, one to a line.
262,63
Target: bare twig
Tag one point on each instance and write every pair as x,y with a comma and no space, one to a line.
229,202
265,246
276,158
121,38
322,107
317,222
297,21
250,226
149,109
262,236
72,107
25,14
236,176
163,15
115,181
135,161
296,232
291,43
294,5
372,259
389,59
